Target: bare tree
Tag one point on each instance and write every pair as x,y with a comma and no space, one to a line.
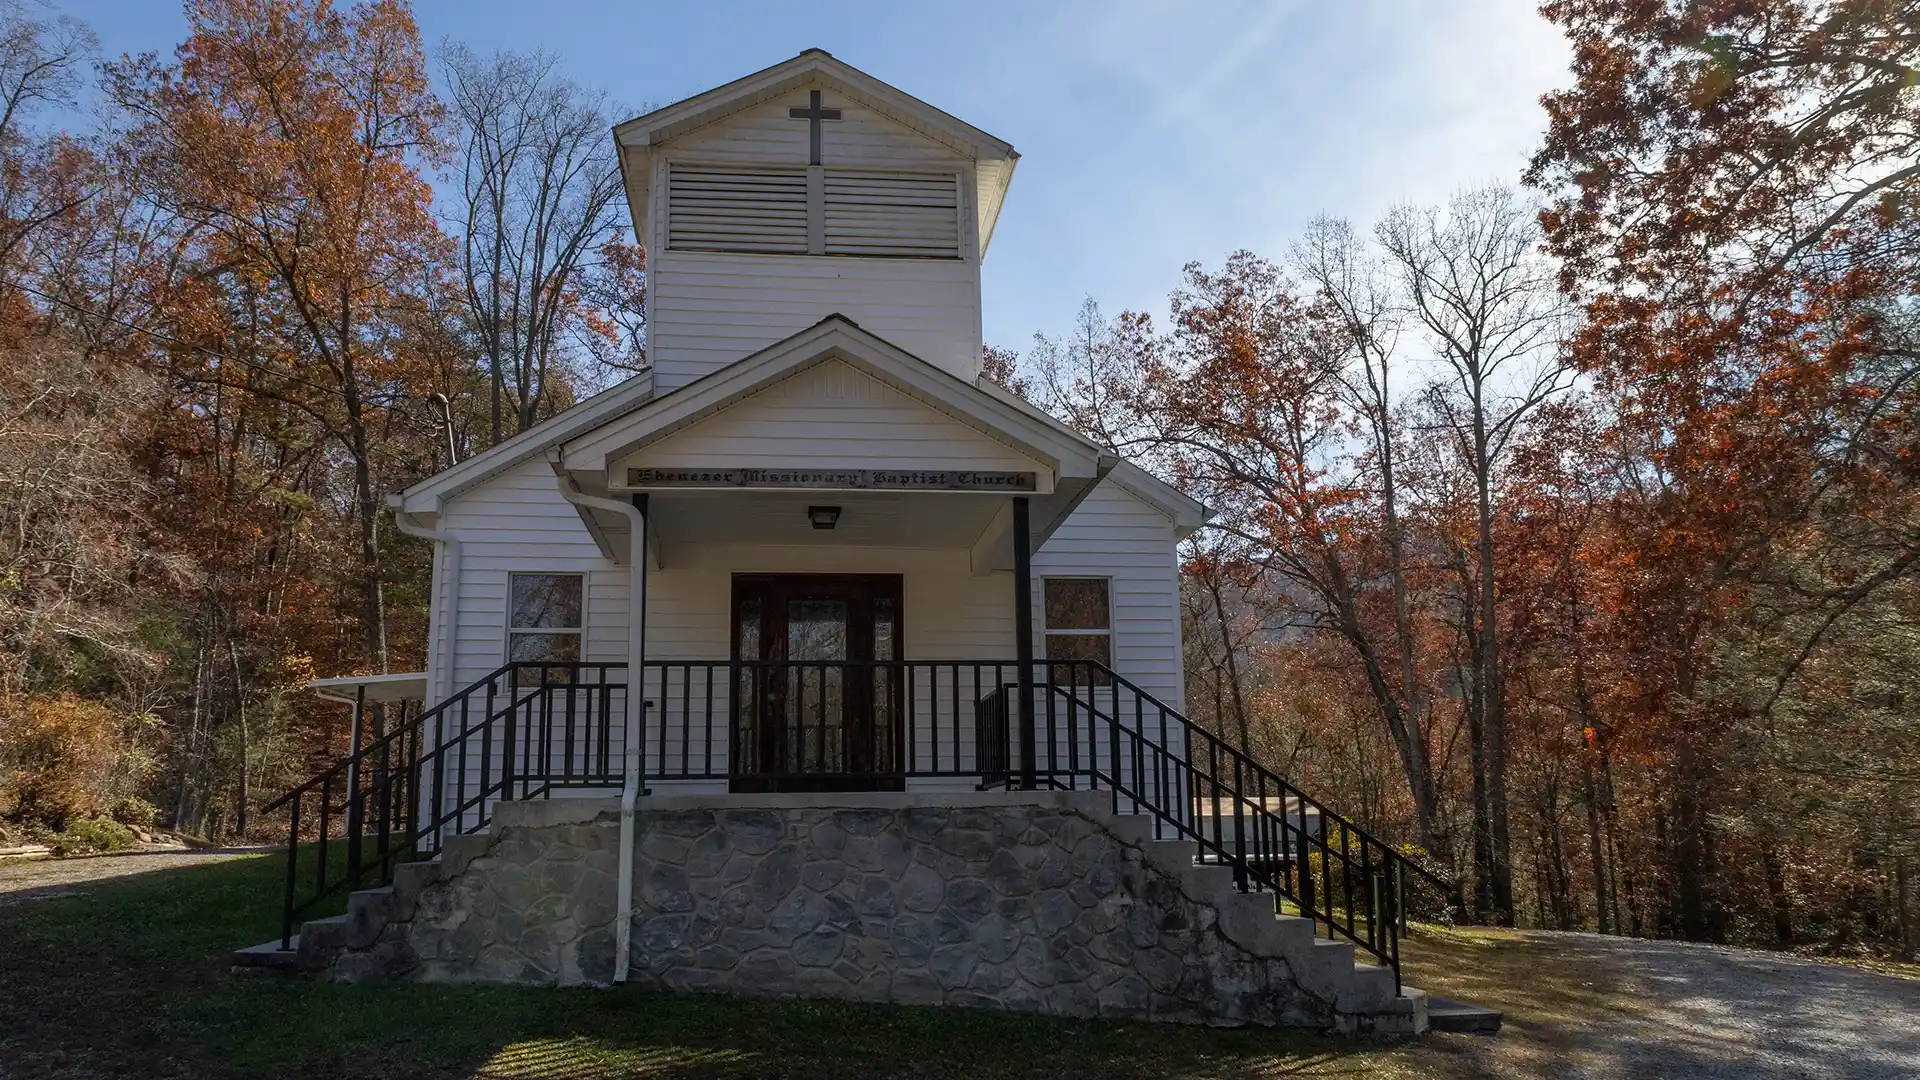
1475,281
538,195
1353,282
43,61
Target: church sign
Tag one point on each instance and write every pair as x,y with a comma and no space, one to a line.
858,479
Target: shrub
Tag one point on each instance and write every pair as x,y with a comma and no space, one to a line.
134,810
59,754
93,834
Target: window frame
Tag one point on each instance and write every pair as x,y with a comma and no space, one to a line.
1048,632
578,632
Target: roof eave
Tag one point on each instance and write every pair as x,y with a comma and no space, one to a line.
749,90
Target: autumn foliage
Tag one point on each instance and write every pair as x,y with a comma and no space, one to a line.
1566,533
227,312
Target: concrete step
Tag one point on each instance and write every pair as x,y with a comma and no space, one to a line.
1446,1014
368,913
321,940
268,955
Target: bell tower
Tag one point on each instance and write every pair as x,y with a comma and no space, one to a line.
806,190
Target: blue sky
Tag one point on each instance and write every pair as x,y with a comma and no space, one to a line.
1151,134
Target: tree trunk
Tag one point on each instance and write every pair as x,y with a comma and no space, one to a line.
1692,848
1777,896
1596,850
1491,691
1233,667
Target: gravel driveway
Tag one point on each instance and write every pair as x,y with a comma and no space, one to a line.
1608,1008
25,880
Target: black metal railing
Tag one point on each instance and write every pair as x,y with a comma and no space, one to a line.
519,733
527,730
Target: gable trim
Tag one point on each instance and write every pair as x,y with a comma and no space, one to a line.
835,337
429,495
651,129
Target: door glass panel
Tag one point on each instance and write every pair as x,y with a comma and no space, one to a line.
879,748
817,644
747,744
883,628
817,630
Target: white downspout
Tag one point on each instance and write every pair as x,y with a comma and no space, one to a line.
447,621
636,704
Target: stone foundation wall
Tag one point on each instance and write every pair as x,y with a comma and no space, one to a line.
1032,902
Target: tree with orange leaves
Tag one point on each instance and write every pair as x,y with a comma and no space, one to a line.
1735,191
292,133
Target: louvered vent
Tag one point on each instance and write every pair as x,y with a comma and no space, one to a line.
761,210
913,215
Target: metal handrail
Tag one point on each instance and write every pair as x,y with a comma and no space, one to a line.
527,729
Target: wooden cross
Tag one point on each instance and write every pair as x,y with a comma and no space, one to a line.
813,114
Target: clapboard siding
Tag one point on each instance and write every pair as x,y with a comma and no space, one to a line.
518,522
830,416
709,310
1113,534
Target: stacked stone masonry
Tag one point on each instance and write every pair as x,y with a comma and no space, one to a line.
1044,903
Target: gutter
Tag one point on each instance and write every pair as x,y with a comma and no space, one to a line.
450,544
636,703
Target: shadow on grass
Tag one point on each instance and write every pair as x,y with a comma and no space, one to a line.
131,979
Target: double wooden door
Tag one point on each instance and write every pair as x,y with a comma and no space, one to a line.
818,703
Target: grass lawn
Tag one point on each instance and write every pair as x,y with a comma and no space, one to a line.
131,979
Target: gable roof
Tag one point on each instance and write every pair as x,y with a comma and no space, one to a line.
615,421
835,337
994,158
427,496
1188,513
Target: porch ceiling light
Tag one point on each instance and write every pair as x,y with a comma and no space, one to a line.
823,517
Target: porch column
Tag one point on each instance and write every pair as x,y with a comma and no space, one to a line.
637,625
1023,633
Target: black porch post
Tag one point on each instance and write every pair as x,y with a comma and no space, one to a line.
1023,633
637,679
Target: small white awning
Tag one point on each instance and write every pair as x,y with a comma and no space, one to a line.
406,686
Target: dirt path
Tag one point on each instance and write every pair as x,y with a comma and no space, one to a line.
26,880
1586,1007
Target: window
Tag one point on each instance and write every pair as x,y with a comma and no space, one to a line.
1079,616
546,617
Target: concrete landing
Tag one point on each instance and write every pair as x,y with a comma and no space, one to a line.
1445,1014
268,954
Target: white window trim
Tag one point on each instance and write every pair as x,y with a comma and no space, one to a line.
509,630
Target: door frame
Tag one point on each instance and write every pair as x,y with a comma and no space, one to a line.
774,587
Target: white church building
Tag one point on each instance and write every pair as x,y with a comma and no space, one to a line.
856,577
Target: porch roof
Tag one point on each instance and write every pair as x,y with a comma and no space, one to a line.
403,686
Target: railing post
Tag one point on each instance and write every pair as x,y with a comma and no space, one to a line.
1023,633
1400,894
507,733
293,883
1239,827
